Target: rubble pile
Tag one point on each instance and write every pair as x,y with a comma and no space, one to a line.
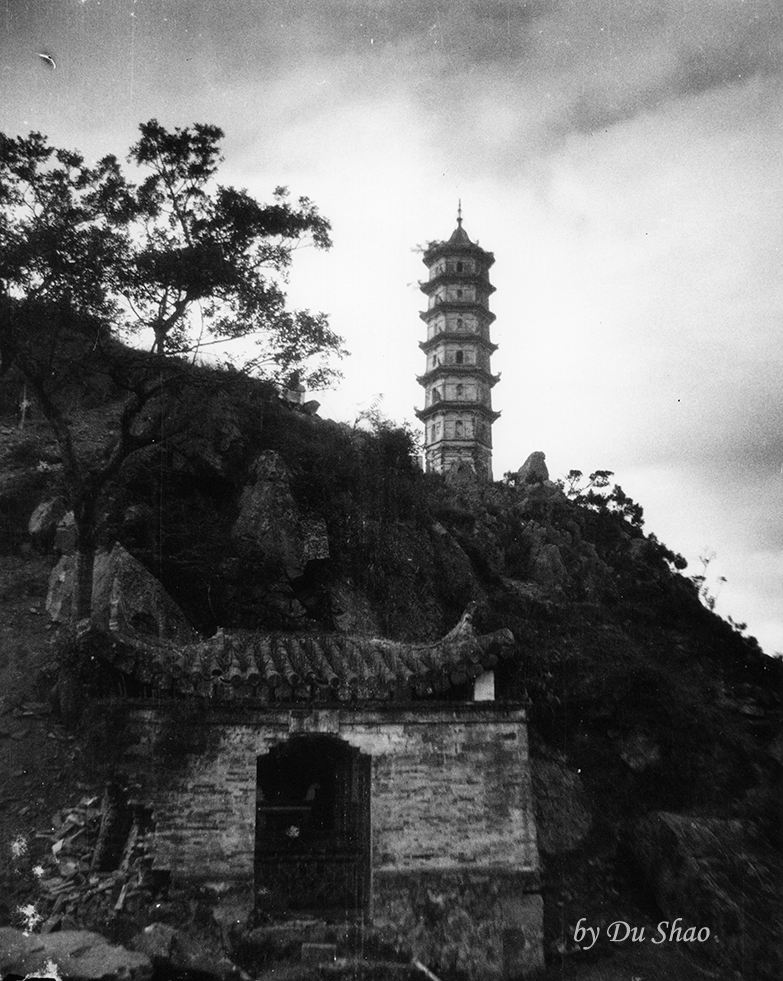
75,887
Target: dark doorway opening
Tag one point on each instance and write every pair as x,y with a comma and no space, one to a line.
313,826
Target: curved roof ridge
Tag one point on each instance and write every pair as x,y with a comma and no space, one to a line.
336,664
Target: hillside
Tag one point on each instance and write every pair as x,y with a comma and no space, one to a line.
654,724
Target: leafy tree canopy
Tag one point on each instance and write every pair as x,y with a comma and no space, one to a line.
177,257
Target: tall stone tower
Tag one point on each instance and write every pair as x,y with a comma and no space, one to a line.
458,382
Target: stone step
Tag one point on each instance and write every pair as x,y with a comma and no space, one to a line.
354,946
318,953
361,969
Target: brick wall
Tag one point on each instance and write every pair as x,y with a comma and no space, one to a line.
450,805
450,786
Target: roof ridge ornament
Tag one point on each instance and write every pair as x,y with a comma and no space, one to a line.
459,212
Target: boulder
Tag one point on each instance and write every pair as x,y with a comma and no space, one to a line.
43,523
58,597
129,599
562,811
233,906
65,535
270,523
180,953
454,567
675,851
156,941
125,598
533,470
707,871
72,955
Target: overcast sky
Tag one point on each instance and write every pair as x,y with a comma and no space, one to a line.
622,159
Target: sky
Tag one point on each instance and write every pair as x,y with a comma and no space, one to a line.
623,160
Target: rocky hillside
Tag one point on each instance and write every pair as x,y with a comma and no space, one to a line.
655,725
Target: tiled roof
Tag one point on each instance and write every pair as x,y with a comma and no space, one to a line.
307,666
459,237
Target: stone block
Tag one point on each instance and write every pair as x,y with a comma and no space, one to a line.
318,953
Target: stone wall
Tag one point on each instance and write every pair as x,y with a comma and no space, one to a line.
470,923
453,832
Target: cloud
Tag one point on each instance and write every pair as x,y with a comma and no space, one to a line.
579,66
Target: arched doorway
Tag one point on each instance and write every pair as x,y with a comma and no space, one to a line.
313,826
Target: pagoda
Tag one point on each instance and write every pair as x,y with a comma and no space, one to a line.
458,381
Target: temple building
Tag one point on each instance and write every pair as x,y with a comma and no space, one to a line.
458,380
337,784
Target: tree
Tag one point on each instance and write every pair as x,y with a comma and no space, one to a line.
86,255
614,501
215,247
600,478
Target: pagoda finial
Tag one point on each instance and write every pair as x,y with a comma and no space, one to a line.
459,212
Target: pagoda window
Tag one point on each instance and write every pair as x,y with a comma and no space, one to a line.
459,267
459,357
459,294
460,324
436,396
459,426
460,391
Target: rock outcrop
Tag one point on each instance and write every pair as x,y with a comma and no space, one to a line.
270,523
43,523
128,598
708,872
563,818
177,953
125,598
533,470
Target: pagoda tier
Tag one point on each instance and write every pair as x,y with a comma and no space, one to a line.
458,338
459,308
461,407
443,370
479,280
